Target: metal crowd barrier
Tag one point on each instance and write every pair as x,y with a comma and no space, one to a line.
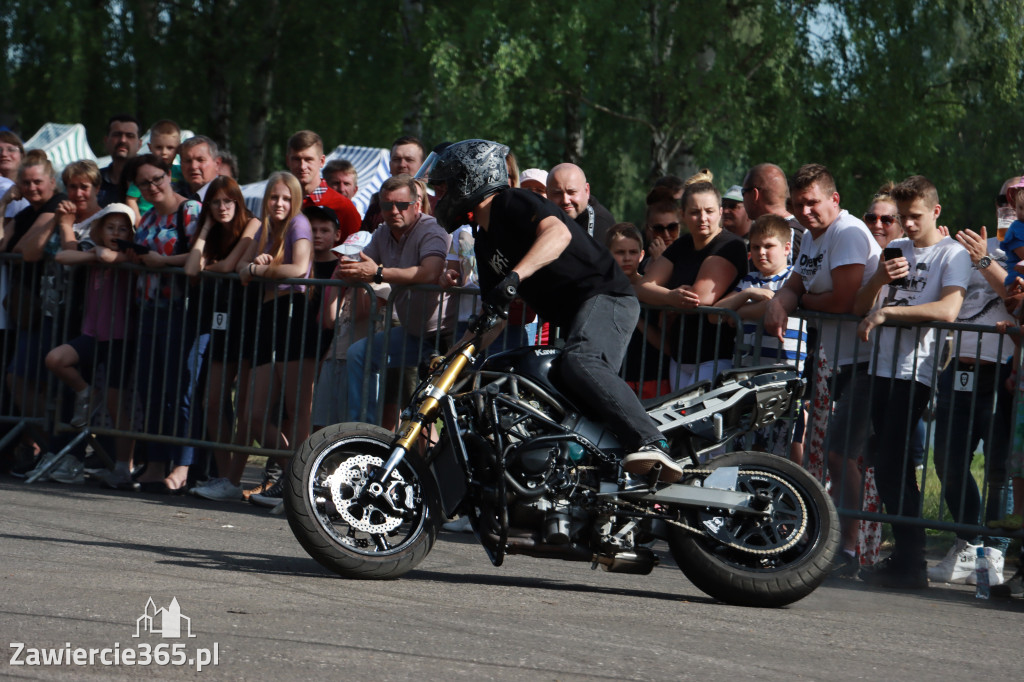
179,374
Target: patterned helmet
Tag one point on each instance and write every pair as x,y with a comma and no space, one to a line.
471,171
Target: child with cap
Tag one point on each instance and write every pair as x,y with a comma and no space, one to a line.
105,326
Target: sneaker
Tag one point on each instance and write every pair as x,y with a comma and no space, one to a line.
95,465
995,567
83,412
894,574
459,525
1011,522
263,486
1014,587
218,489
115,481
271,497
45,463
844,566
646,458
957,566
71,471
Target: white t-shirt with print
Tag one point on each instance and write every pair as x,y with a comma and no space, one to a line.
982,305
847,241
908,353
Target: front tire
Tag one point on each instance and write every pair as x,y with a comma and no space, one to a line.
772,563
378,538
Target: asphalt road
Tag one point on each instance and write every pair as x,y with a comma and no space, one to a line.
78,564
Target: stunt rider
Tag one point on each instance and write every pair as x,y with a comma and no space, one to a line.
527,246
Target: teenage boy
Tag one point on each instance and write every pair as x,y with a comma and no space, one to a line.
770,248
926,283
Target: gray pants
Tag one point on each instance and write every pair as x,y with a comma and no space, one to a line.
589,368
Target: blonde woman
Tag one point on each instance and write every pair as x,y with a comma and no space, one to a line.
276,411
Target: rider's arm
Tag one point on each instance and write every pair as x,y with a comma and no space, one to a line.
553,237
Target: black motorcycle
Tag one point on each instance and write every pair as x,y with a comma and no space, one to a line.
537,477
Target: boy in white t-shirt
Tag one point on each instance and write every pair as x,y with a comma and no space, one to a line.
926,283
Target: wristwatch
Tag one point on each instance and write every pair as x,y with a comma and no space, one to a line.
983,263
379,277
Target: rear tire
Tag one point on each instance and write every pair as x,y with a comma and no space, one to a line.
789,556
383,539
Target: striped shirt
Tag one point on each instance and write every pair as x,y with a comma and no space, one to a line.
794,347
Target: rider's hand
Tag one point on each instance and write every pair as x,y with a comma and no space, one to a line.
498,299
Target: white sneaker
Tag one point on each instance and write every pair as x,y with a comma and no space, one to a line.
957,566
459,525
45,463
71,470
646,458
218,489
995,567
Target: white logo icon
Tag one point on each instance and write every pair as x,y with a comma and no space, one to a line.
164,622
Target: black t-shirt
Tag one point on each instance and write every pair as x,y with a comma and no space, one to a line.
583,270
711,340
602,220
24,219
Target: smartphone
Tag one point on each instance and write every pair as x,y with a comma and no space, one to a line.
890,252
124,245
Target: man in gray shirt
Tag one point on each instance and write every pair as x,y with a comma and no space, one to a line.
412,250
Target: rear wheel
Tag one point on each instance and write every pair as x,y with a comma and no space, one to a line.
342,526
762,561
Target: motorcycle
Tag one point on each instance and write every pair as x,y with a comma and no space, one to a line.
537,477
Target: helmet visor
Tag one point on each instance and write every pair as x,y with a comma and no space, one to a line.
428,165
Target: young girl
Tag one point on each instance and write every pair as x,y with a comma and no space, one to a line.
104,330
276,411
226,233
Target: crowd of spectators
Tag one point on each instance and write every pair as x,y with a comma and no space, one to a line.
223,331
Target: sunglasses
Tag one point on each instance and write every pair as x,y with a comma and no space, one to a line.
400,205
1002,201
886,219
658,227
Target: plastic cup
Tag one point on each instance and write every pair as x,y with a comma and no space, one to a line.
1006,216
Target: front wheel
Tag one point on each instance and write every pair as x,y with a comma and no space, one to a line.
762,561
342,526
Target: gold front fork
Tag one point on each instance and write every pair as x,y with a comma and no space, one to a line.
411,428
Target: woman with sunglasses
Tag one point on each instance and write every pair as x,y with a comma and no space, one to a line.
697,270
882,218
277,411
661,226
164,386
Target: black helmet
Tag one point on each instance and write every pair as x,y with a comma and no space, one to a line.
471,171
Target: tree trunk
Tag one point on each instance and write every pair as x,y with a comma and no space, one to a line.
263,87
412,73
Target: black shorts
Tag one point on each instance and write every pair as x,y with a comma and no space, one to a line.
113,354
287,330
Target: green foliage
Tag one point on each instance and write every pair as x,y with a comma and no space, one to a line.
630,90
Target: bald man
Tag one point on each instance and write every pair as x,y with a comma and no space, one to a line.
765,190
569,190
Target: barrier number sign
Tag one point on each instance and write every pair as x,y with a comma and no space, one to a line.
964,381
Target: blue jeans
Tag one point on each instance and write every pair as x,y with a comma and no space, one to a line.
589,368
403,349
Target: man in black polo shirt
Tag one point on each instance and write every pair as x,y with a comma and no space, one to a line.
529,247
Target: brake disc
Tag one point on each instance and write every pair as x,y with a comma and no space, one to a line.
346,485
